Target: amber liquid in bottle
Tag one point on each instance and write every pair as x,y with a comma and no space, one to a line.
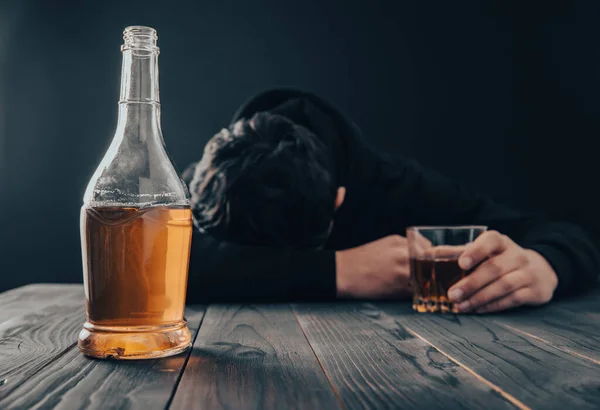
135,274
136,225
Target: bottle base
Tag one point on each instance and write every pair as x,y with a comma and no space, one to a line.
133,343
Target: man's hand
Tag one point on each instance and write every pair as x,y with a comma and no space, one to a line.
507,276
376,270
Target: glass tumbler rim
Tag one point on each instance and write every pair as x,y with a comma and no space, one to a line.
445,227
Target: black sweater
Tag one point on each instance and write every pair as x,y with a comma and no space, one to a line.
384,195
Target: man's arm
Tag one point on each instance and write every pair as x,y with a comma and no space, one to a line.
226,272
222,272
424,197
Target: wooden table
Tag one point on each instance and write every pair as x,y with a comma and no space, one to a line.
338,355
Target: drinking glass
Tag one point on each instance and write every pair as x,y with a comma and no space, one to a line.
434,253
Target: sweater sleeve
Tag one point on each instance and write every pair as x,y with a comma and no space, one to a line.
420,196
223,272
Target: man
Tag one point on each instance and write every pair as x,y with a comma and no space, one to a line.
291,205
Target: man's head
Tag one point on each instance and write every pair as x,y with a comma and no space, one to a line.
266,181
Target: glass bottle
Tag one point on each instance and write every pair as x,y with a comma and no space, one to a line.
136,226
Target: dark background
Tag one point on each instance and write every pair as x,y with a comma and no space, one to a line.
503,95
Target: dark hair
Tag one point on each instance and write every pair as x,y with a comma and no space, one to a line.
265,181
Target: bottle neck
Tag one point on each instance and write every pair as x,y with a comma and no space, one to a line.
139,77
139,101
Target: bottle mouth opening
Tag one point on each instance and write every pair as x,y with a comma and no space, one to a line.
140,38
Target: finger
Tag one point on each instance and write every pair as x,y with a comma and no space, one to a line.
395,240
439,252
402,254
417,243
496,290
396,244
517,298
487,244
447,251
423,242
486,273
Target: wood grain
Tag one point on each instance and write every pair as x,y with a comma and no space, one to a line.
253,357
32,298
374,362
32,340
375,356
575,333
537,374
73,381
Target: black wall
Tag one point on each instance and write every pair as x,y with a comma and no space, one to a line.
504,95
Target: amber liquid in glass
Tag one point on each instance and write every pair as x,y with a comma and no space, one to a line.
431,280
135,275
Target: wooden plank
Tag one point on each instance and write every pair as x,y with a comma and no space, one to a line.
573,332
373,362
532,371
30,341
75,381
32,298
253,357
